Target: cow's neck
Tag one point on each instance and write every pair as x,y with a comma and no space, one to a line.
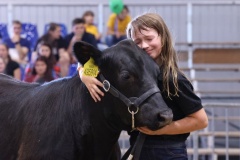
104,130
105,127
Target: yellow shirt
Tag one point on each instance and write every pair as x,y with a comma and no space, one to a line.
116,25
92,29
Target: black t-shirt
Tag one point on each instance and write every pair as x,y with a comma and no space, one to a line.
87,37
186,103
56,44
11,66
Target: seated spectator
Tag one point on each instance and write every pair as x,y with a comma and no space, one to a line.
88,17
58,44
12,67
2,65
45,50
18,46
41,72
116,26
78,34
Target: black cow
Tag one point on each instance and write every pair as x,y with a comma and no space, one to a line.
60,121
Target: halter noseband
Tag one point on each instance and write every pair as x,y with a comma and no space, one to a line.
132,103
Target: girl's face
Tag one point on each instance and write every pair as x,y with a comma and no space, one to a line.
89,19
150,41
44,51
56,33
123,14
17,28
40,67
78,29
2,66
3,51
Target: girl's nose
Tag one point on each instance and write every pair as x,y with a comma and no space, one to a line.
144,45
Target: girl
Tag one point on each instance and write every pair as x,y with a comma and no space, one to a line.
45,50
150,33
41,72
88,17
58,44
12,67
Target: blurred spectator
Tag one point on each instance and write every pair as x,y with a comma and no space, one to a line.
116,26
58,44
41,72
12,67
2,65
88,17
45,50
79,34
18,46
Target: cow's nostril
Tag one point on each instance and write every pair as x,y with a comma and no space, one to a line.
161,118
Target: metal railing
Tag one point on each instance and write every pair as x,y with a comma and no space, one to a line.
221,137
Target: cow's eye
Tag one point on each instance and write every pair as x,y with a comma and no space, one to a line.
125,75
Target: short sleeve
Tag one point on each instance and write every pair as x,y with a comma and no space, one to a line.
187,100
62,43
11,67
111,20
92,40
25,43
67,40
9,43
128,19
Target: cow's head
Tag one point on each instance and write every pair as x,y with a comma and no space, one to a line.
133,75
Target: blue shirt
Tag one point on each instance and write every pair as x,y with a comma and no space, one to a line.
23,43
87,37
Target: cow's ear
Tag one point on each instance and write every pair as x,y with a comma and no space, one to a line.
83,51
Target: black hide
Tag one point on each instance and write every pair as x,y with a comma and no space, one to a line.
60,121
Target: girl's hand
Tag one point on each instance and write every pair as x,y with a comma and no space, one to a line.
92,84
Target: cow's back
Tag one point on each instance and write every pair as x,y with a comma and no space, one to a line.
41,120
12,93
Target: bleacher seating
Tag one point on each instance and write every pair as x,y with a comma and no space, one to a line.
30,32
4,31
72,70
215,71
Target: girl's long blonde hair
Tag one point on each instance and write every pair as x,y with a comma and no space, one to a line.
168,57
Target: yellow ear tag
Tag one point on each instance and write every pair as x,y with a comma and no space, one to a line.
90,69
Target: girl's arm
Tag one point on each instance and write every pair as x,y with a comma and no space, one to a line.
192,122
92,84
17,73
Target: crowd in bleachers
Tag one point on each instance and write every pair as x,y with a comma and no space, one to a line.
30,57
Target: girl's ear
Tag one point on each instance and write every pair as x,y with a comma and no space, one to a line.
83,51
